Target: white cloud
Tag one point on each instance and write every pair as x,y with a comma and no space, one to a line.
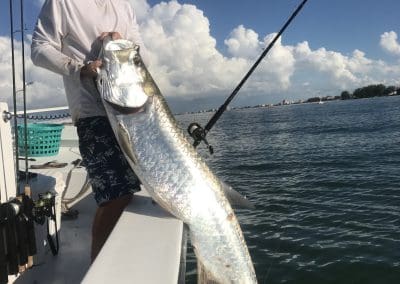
243,42
186,62
335,71
184,57
389,42
47,88
328,64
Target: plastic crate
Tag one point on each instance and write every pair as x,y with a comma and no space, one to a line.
43,139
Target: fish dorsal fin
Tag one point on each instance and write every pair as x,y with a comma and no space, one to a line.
235,198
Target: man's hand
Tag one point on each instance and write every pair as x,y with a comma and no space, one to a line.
112,35
90,69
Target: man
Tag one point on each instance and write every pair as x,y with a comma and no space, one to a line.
67,40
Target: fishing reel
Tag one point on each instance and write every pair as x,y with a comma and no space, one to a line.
45,210
44,207
198,133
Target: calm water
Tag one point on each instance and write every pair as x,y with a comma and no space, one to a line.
326,183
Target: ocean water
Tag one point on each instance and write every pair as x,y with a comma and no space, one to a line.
325,180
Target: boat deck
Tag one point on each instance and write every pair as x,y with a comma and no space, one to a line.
73,259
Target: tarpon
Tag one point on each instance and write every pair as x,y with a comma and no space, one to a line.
168,165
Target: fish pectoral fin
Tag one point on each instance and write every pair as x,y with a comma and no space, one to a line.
235,198
124,141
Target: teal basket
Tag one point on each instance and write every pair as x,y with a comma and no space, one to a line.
43,139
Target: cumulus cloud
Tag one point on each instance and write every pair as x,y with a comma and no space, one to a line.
325,63
243,42
186,64
389,42
336,71
184,58
46,90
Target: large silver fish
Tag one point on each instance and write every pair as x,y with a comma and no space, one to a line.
168,165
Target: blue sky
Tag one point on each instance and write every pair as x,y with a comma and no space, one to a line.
331,46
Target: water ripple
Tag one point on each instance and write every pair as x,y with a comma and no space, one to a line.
325,182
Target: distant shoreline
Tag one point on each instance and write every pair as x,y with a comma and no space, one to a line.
313,100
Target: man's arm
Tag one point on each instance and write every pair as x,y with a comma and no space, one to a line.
47,42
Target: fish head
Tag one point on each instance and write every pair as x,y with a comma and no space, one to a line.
122,77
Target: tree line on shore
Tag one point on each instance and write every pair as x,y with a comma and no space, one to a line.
370,91
378,90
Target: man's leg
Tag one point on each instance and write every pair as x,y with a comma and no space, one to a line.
105,219
113,181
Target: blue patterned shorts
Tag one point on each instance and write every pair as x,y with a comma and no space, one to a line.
109,172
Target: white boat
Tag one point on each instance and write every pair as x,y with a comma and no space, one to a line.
146,245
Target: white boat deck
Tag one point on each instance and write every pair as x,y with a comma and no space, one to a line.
144,247
73,259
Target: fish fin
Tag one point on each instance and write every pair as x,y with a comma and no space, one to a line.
125,142
235,198
204,277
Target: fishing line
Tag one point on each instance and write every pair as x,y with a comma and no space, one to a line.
195,130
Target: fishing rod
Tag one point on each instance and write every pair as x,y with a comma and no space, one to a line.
14,87
195,130
24,88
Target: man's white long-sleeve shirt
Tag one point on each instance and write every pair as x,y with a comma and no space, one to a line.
66,36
